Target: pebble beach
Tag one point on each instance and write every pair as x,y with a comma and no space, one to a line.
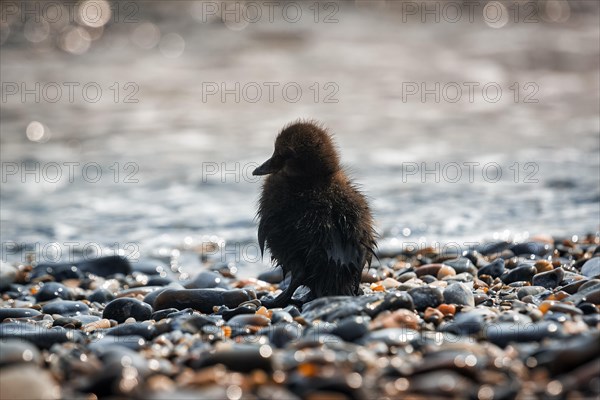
500,321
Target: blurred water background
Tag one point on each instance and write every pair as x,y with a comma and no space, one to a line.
176,148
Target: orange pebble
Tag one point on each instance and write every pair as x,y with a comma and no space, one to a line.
227,331
263,311
447,309
377,287
307,369
543,266
546,304
433,315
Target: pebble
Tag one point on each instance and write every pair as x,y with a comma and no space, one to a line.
504,333
101,296
202,300
530,291
426,296
144,330
549,279
460,294
96,325
586,293
538,249
8,275
123,308
207,279
591,268
351,328
53,290
462,265
446,272
239,357
428,269
17,313
14,351
249,319
103,266
522,273
26,382
38,335
66,308
494,269
392,301
543,266
390,283
67,322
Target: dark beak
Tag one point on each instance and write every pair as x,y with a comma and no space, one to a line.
265,169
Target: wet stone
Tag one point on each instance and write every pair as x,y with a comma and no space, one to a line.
59,272
573,287
282,334
504,333
549,279
406,276
86,319
17,313
240,358
426,296
162,314
8,275
66,308
101,296
521,273
539,249
103,266
281,316
591,268
41,337
428,269
202,300
566,308
530,291
228,314
368,276
123,308
159,281
131,342
462,277
588,308
274,275
16,351
492,248
249,319
207,280
589,294
462,265
459,293
351,328
144,330
465,323
393,301
27,381
391,336
493,269
68,322
149,267
53,290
